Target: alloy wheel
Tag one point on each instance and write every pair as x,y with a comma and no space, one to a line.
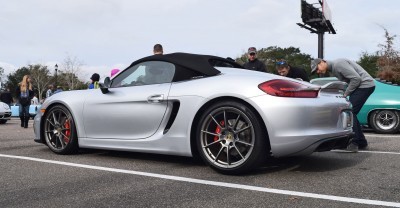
227,137
58,129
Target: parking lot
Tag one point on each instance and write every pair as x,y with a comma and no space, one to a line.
33,176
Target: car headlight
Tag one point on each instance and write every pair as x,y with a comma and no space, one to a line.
6,106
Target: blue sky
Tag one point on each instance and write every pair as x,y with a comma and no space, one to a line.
107,34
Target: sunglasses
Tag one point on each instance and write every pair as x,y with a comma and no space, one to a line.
252,54
280,63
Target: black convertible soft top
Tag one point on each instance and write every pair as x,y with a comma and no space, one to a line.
201,63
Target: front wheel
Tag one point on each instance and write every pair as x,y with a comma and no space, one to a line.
385,121
230,138
59,130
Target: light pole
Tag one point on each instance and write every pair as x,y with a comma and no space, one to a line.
56,68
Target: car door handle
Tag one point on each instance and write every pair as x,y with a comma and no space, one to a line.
155,98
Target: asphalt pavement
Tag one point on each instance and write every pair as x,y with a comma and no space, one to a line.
33,176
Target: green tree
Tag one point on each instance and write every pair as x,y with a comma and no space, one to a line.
271,54
1,77
389,59
71,67
39,75
369,62
40,78
66,78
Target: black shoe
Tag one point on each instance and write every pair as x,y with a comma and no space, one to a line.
26,123
352,147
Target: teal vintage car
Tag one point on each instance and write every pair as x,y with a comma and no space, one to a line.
381,112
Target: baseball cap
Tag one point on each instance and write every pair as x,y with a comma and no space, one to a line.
252,50
314,64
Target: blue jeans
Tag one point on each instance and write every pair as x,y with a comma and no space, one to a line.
357,100
24,111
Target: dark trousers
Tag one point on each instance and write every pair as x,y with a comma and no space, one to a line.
24,115
357,100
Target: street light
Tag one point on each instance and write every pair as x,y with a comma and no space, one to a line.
56,68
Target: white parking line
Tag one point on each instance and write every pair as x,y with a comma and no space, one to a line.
382,135
378,152
215,183
373,152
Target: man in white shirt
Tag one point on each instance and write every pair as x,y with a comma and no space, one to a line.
49,92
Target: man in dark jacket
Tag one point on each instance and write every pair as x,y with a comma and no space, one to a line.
158,49
254,63
284,69
6,97
361,86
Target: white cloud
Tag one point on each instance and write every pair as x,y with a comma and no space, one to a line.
8,68
113,33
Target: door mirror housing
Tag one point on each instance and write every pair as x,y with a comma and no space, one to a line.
104,87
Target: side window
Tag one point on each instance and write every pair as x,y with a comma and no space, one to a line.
146,73
183,73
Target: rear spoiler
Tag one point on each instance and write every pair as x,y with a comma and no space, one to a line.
334,87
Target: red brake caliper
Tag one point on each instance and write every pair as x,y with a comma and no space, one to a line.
218,130
67,126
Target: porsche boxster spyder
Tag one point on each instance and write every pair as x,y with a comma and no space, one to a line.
197,105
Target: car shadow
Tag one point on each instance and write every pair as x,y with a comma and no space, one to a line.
317,162
144,156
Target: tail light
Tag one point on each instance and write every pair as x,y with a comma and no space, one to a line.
287,88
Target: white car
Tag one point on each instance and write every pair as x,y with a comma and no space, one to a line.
5,113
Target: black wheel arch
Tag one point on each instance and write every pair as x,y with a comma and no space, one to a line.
199,113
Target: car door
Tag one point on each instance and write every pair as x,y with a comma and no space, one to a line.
134,106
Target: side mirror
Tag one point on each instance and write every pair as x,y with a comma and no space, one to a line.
104,87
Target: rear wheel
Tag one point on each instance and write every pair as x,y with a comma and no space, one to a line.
385,121
59,130
230,138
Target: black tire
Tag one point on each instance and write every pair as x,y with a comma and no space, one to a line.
3,121
239,147
385,121
59,130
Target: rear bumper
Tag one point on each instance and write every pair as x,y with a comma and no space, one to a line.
331,143
334,143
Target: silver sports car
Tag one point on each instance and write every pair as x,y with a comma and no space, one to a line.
201,106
